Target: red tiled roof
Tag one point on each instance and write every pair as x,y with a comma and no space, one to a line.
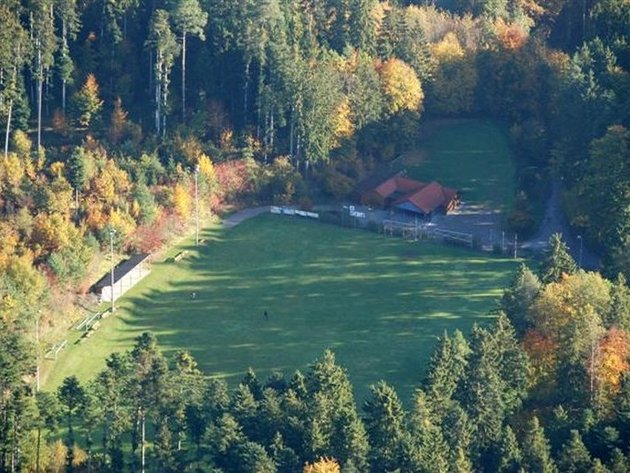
429,197
397,183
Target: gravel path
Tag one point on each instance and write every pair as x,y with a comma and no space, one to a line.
242,215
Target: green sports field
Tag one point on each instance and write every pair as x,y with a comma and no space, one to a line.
472,156
379,303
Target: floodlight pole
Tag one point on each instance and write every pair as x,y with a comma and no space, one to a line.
196,206
111,249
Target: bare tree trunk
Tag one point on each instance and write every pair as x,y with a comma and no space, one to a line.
38,450
246,91
184,76
142,441
8,130
40,86
64,34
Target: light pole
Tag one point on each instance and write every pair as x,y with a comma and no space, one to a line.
111,249
37,350
196,206
579,237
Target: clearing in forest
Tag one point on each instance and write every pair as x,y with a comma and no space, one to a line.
472,156
275,291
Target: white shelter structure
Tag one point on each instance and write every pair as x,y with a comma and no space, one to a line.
126,275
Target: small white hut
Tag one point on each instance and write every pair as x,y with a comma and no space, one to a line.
126,275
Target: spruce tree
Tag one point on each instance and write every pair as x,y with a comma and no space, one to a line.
513,363
446,369
385,425
430,451
536,449
618,462
518,297
619,304
482,391
335,428
509,457
557,261
574,456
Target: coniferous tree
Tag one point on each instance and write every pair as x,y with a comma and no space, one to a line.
73,398
430,451
536,450
619,304
518,297
335,427
618,462
190,19
557,261
446,369
574,456
385,425
482,392
509,457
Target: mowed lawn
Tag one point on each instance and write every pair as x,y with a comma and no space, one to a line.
471,155
378,302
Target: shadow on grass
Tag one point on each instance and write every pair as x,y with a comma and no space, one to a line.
379,303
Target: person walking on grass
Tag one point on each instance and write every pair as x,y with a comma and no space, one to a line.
266,315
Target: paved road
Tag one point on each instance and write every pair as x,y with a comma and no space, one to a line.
555,221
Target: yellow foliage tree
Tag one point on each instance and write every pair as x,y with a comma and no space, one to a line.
323,465
401,86
11,170
448,48
122,222
611,364
111,184
118,124
10,240
206,169
22,144
52,232
182,201
342,120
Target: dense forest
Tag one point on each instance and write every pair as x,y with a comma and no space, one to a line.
111,108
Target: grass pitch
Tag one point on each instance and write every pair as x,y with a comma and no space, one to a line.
472,156
379,303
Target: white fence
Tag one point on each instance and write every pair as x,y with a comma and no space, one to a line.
292,211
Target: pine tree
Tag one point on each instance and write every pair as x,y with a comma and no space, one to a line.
574,457
482,391
509,453
446,369
536,449
618,462
430,451
190,19
335,427
385,425
518,297
557,261
513,363
619,304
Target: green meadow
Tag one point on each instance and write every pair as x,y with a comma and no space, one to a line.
472,156
379,303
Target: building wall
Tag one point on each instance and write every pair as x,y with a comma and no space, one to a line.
125,283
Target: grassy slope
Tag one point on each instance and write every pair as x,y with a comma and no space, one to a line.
471,155
379,303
